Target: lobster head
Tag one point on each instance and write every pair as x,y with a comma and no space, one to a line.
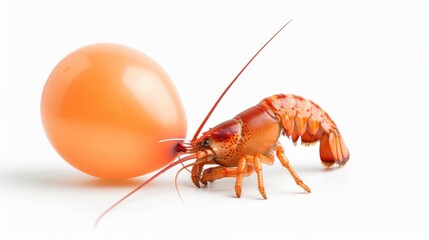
219,142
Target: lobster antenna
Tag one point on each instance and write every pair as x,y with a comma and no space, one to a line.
180,161
232,82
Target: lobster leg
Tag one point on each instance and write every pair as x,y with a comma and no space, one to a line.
255,162
285,162
245,168
196,172
214,173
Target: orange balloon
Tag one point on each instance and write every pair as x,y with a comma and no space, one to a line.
105,107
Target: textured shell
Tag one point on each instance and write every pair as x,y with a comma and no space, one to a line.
298,115
301,117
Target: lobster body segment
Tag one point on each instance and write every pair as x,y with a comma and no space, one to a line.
250,132
303,118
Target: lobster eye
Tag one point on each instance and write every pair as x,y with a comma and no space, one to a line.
205,143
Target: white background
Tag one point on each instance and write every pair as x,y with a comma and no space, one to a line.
362,61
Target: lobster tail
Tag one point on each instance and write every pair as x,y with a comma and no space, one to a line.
333,149
303,118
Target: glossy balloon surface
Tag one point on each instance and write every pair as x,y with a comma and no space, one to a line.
105,107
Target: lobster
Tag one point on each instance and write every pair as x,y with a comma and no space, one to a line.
241,145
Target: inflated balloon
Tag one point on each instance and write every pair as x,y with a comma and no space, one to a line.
105,107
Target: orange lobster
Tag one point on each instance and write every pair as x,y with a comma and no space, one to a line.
241,145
